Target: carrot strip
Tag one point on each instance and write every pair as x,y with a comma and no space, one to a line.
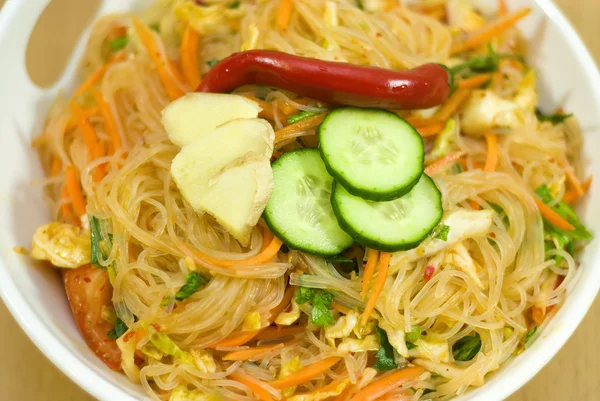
372,257
302,125
98,75
495,28
384,265
502,7
442,162
163,67
491,162
110,123
56,166
267,111
574,180
452,105
430,130
275,332
553,218
189,57
74,191
252,384
284,13
340,308
475,81
90,138
265,256
267,238
249,353
306,374
388,383
87,112
572,195
65,208
537,315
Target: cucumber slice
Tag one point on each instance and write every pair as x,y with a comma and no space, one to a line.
390,226
299,210
373,153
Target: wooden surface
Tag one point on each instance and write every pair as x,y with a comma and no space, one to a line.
26,375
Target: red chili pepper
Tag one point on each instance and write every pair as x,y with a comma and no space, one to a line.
339,83
429,271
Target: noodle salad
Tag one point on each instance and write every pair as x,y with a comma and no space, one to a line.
310,200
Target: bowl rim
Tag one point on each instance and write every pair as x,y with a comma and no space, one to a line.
102,388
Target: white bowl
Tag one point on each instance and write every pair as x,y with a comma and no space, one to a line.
36,297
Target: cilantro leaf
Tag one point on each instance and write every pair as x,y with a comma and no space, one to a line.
410,345
211,63
321,302
304,295
466,348
414,334
443,233
118,331
192,284
118,44
555,119
385,355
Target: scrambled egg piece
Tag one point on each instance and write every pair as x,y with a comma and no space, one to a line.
342,328
289,368
252,321
396,337
63,245
324,393
203,358
486,110
288,318
369,343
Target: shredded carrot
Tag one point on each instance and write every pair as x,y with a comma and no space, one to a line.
372,257
285,301
74,191
56,166
388,383
491,162
572,177
65,208
253,385
307,373
416,121
276,332
451,106
189,57
553,218
95,148
284,13
164,67
572,195
302,125
263,257
430,130
267,238
474,205
475,81
289,109
537,315
495,28
443,162
384,265
268,111
340,308
110,123
97,75
502,7
87,112
250,353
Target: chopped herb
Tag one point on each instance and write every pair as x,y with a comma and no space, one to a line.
101,243
302,115
211,63
235,4
155,27
321,302
411,346
385,355
466,348
118,44
359,4
555,119
487,63
443,233
118,331
530,334
192,284
339,259
414,334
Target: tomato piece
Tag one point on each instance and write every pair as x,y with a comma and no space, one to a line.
88,290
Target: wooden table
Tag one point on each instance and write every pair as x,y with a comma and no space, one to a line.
26,375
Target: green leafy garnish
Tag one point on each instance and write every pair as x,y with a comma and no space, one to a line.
443,233
118,44
414,334
119,330
410,345
359,4
155,27
321,302
101,242
192,284
530,334
466,348
385,355
555,119
211,63
487,63
235,4
302,115
556,238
